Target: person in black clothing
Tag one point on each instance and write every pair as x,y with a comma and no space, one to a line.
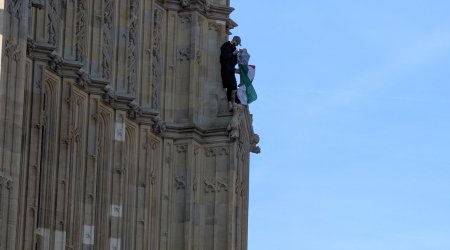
228,60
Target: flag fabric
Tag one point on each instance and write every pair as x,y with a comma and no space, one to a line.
247,73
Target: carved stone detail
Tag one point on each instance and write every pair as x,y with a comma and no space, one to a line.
217,151
53,20
253,144
31,45
152,177
107,38
185,3
119,170
134,110
234,126
180,182
5,181
80,33
158,126
240,187
184,54
242,151
38,4
110,95
214,185
38,81
12,50
186,19
156,58
214,26
14,8
195,184
132,46
55,62
181,148
83,79
74,136
198,56
206,6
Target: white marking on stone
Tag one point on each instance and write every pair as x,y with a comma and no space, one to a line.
115,244
60,240
116,210
88,235
120,131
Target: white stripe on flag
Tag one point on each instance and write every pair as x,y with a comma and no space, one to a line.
251,72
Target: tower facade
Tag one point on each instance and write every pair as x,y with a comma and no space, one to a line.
114,128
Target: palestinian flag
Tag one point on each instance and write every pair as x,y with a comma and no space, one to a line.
247,73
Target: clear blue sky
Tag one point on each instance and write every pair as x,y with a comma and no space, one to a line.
354,118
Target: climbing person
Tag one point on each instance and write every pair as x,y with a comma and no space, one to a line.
228,60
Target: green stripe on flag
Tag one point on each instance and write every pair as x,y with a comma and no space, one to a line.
251,92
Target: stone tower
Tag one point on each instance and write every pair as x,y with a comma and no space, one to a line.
114,129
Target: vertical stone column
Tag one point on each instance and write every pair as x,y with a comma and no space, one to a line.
2,23
12,81
2,180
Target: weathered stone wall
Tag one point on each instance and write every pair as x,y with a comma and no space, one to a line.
114,130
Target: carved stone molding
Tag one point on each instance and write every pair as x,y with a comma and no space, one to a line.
31,46
185,3
156,58
38,4
195,184
242,151
214,26
37,86
235,124
12,50
53,20
119,170
134,110
107,38
196,150
74,136
253,144
14,8
216,151
39,50
158,126
5,181
206,6
80,33
198,56
184,54
186,19
215,185
132,46
180,183
150,143
109,95
240,187
83,79
55,61
181,148
152,177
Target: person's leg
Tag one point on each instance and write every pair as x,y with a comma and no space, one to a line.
229,94
225,80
